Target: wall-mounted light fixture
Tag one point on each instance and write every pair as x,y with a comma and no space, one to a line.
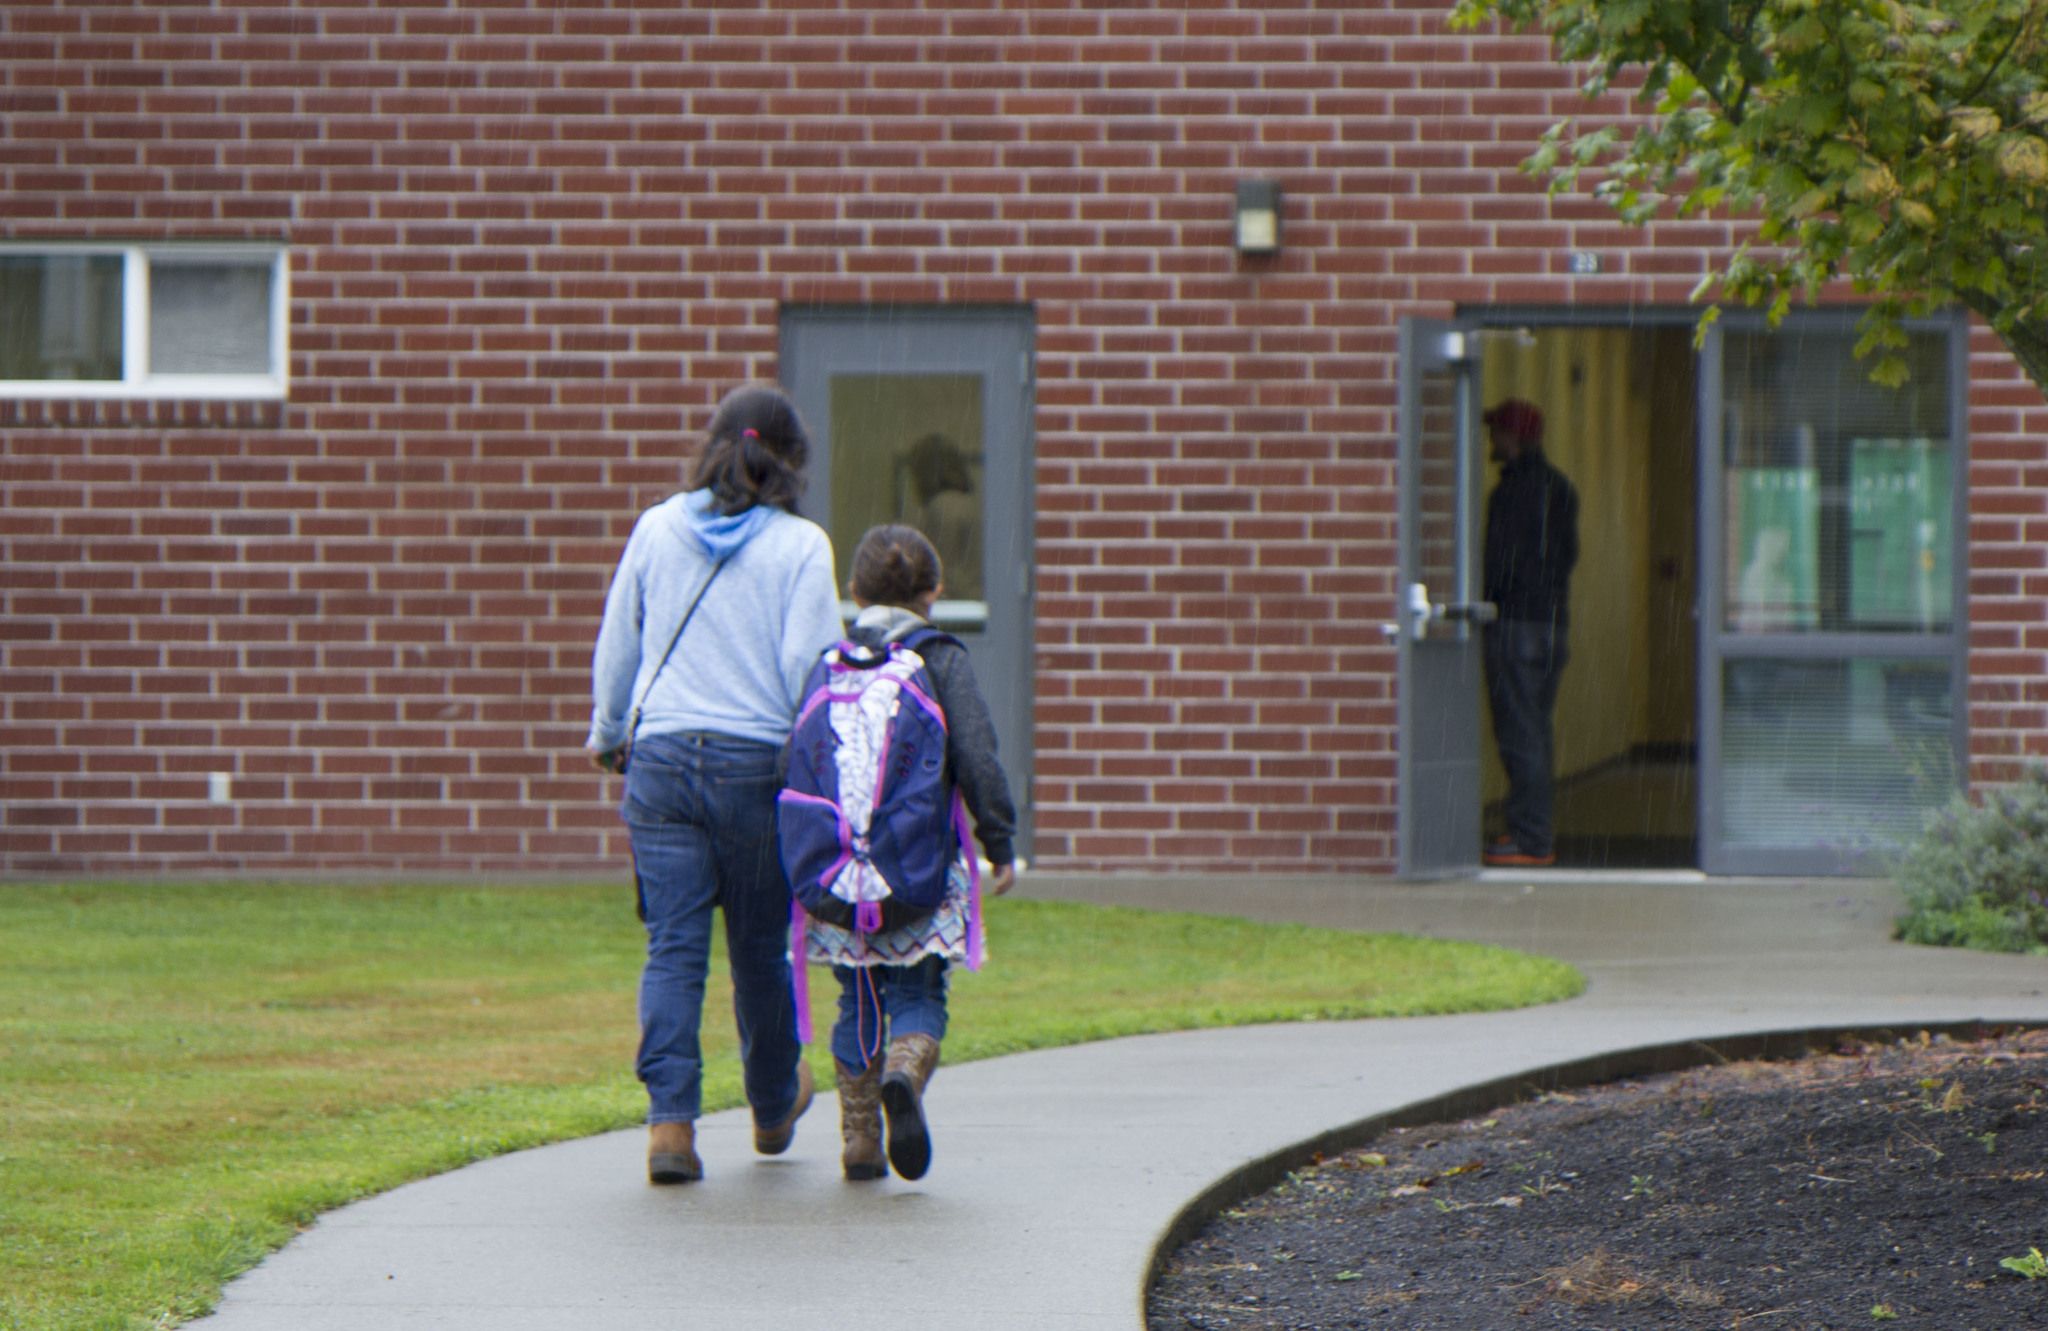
1258,217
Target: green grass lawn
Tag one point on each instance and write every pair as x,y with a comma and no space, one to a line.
189,1073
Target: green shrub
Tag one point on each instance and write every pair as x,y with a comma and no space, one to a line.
1978,875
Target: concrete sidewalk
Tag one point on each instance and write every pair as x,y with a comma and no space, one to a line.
1056,1173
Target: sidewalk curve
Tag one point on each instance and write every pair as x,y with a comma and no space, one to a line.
1056,1173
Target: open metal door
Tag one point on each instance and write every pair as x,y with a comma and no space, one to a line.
1441,684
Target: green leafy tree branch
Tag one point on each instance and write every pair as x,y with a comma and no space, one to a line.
1902,146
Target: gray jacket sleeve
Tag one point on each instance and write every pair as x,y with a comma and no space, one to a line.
971,750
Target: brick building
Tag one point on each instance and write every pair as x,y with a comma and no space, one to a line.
340,345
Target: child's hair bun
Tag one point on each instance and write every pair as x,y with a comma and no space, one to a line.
894,565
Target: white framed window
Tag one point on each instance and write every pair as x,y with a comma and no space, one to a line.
143,321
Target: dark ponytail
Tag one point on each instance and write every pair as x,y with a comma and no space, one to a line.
755,452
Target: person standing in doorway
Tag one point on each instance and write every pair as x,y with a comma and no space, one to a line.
1532,542
723,600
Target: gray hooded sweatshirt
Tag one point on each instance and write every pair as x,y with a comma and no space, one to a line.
740,666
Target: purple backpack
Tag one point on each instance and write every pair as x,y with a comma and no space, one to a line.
869,826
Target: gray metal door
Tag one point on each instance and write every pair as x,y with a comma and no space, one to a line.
923,416
1440,687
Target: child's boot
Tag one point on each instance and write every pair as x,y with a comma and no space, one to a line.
912,1060
860,1122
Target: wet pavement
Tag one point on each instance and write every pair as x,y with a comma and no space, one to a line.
1057,1173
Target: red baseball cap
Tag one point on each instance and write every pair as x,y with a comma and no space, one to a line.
1520,418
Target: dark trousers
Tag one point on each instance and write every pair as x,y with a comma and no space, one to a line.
1524,661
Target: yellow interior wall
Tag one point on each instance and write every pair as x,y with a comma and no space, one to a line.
1596,388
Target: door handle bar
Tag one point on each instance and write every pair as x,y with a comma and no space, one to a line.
1420,612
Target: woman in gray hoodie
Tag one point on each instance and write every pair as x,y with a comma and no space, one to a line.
722,602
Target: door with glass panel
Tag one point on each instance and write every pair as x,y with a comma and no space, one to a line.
1440,611
1832,643
923,416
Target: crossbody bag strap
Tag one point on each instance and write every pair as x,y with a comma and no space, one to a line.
633,723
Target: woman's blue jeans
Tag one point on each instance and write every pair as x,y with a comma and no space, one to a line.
700,809
880,1003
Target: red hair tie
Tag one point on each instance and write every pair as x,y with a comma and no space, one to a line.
751,434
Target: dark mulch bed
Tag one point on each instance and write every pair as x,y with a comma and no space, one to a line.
1880,1184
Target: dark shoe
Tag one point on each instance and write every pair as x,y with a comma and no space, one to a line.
775,1140
860,1123
672,1153
912,1060
1505,854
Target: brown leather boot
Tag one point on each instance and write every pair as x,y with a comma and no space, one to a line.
912,1060
672,1153
775,1139
860,1123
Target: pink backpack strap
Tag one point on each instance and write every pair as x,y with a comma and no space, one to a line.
799,972
977,946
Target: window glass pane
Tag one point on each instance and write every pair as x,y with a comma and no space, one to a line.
908,448
1900,535
1844,753
209,318
1439,491
1838,489
60,316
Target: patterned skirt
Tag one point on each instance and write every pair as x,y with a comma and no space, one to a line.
947,932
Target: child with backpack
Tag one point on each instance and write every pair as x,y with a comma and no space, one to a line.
893,739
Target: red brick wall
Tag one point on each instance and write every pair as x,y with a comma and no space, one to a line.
533,241
2008,692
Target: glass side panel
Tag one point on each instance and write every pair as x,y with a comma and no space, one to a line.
209,318
1901,534
1850,754
1838,490
909,448
60,316
1439,491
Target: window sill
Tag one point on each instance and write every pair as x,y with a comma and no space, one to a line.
161,388
114,413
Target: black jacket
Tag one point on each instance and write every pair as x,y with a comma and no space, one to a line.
970,738
1532,541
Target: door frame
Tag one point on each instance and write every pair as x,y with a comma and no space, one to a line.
1712,644
1499,319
